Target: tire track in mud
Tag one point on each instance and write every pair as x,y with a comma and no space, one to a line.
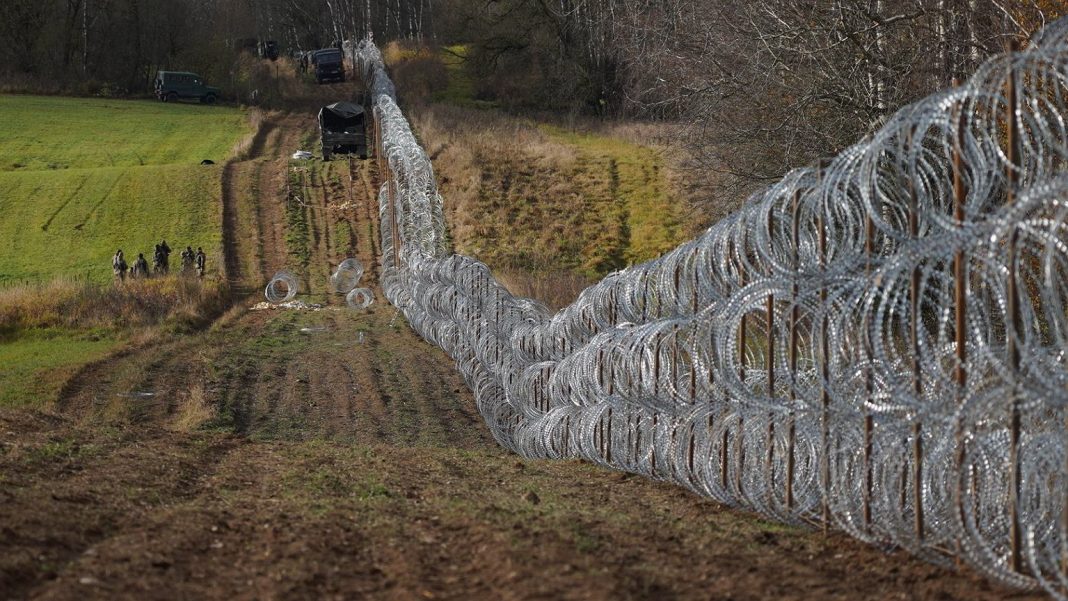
232,251
93,495
252,190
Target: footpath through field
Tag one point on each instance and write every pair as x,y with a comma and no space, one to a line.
331,453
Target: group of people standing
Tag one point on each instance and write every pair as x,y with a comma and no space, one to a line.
191,261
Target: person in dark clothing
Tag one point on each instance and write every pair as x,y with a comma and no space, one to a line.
201,259
140,267
157,260
166,254
188,257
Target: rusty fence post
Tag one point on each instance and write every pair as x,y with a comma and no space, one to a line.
743,334
825,351
960,306
791,427
1015,326
917,380
770,354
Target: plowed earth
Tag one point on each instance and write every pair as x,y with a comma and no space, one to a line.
341,457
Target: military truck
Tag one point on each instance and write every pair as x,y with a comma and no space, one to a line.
172,85
269,50
328,65
342,126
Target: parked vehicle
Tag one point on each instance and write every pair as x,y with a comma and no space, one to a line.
329,65
173,85
343,129
269,50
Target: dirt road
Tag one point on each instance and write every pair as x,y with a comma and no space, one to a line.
330,453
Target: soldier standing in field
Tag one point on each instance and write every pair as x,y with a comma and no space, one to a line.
201,259
165,252
140,267
187,260
118,266
157,260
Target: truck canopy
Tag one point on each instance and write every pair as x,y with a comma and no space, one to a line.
328,55
342,128
341,117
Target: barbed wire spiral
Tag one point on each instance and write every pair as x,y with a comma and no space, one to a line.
283,287
360,298
877,343
346,276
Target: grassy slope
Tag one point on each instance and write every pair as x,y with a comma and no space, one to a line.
530,198
520,196
80,178
64,133
636,184
83,177
32,365
70,222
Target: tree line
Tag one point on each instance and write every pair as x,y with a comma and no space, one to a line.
116,46
760,85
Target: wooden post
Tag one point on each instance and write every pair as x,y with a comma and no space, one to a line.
692,451
825,351
693,293
567,435
770,327
917,381
1015,326
869,383
645,298
742,364
960,305
600,432
791,427
608,443
652,446
770,315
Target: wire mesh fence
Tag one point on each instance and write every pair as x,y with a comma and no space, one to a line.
876,343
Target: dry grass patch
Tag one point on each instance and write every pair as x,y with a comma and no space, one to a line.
194,410
243,148
174,301
557,289
538,202
48,331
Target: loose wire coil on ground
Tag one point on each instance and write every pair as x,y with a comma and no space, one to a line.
346,276
360,298
283,287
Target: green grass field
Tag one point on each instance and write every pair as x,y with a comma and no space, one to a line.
82,177
46,133
633,176
35,365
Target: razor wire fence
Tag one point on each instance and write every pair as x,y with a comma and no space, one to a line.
876,343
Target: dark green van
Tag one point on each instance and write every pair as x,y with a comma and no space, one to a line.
172,85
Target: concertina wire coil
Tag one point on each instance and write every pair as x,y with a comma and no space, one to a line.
876,343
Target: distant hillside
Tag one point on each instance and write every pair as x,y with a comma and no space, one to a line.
81,178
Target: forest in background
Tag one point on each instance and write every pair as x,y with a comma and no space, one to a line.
761,86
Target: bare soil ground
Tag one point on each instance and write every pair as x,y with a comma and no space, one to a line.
332,454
